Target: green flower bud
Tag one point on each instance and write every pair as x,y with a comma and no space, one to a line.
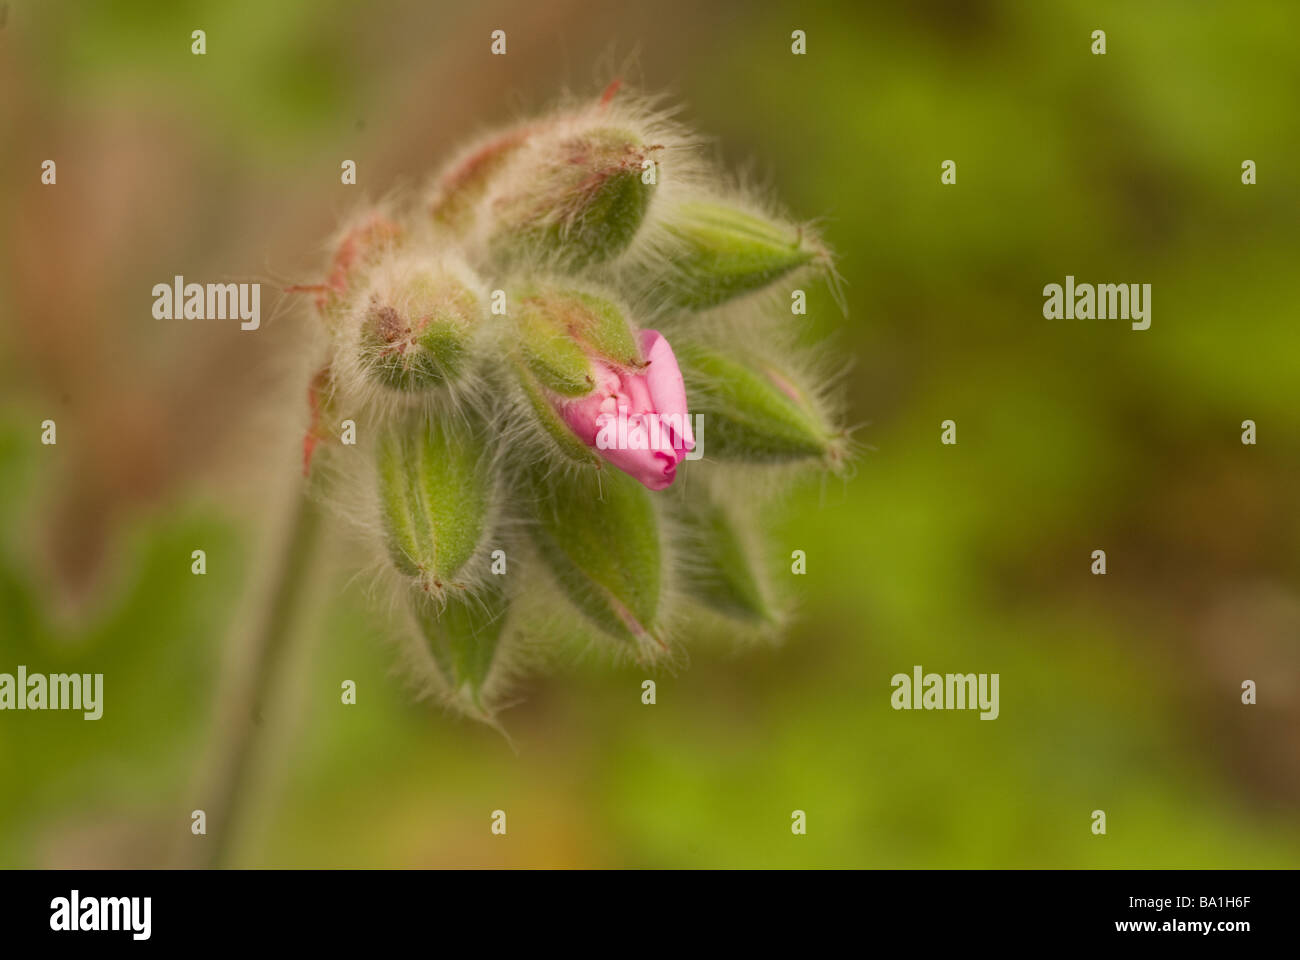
436,491
463,634
755,414
581,202
418,337
719,252
561,330
460,189
724,572
600,538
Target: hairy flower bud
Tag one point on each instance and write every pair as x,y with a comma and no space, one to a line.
463,185
436,492
359,246
574,197
462,632
723,568
717,252
418,336
600,539
757,414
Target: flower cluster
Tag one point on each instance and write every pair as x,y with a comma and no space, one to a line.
571,371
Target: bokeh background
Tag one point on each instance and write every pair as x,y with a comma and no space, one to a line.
1119,692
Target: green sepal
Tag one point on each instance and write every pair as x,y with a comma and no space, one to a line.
435,491
559,331
602,327
719,252
754,413
725,567
599,535
463,634
550,420
557,360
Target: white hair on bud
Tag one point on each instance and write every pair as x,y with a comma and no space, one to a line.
654,268
390,289
520,185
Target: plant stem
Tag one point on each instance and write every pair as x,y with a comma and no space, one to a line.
250,692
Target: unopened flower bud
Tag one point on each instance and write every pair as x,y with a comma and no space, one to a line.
600,539
722,565
462,633
463,185
418,335
361,244
435,493
717,252
575,197
756,413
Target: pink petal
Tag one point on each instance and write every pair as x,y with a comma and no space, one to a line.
667,389
657,390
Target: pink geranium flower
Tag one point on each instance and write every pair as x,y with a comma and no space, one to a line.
636,420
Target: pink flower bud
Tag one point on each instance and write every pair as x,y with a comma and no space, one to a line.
636,419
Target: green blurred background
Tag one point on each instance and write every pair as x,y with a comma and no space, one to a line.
1119,693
